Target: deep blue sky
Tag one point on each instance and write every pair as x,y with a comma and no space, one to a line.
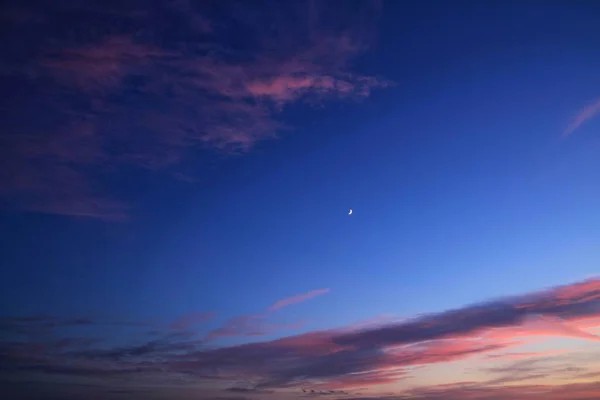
463,186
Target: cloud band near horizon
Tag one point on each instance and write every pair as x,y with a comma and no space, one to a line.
341,359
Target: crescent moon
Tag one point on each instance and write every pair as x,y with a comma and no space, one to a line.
350,212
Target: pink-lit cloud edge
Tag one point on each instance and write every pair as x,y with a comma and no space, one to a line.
344,361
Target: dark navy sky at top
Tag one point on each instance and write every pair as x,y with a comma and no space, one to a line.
457,176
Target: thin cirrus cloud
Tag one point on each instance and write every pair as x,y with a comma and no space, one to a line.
494,333
190,320
258,324
250,326
141,94
297,299
587,113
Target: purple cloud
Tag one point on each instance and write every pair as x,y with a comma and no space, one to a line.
339,359
249,326
189,320
126,97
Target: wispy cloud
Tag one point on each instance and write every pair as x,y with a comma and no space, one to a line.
297,299
189,320
587,113
258,324
145,96
523,355
250,325
346,359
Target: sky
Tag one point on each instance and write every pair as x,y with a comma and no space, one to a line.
176,179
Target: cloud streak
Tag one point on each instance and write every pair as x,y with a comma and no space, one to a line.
140,94
249,326
587,113
297,299
257,324
190,320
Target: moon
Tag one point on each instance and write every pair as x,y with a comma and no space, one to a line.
350,212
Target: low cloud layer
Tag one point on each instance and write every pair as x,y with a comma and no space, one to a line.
155,87
331,362
474,391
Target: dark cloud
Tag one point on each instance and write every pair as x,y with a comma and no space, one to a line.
100,86
164,346
370,355
37,325
566,302
242,389
190,320
252,325
47,323
336,360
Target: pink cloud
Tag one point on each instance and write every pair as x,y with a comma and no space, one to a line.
559,327
587,113
367,356
347,356
536,326
525,355
104,103
297,299
588,322
382,376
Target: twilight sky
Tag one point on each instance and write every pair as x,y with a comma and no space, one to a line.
175,180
